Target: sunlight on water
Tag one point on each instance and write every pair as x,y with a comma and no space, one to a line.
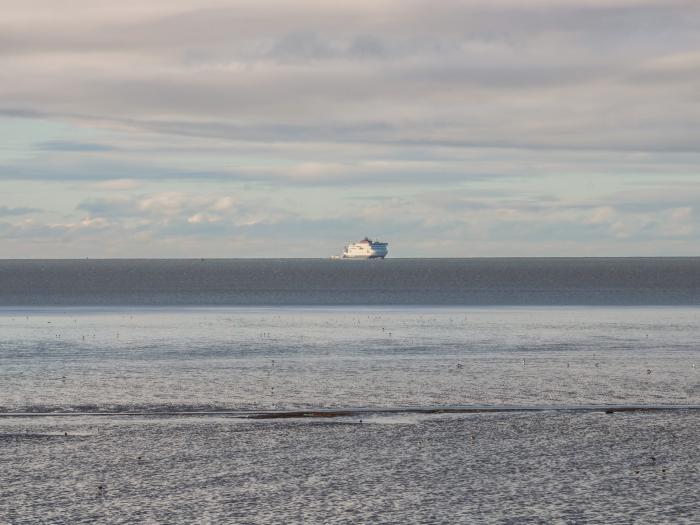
118,359
564,466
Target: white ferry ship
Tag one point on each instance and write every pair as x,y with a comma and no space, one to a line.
365,249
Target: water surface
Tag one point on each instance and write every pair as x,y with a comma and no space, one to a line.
497,281
160,337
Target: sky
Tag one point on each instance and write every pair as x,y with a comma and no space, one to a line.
280,128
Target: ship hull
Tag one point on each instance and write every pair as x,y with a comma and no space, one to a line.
363,256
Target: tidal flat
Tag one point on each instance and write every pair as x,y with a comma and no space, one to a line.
535,467
138,407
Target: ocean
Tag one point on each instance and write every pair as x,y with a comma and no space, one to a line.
394,391
324,282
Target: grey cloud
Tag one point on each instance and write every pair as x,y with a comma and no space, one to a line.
553,232
393,171
34,230
25,113
67,145
305,46
423,59
6,211
116,207
207,26
657,199
406,221
97,169
631,202
388,95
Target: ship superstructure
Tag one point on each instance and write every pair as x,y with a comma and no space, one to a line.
365,249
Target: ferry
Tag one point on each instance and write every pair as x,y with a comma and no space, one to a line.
365,249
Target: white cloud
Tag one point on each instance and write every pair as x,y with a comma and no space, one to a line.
202,218
166,203
223,203
600,215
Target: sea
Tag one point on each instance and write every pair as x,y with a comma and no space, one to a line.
494,390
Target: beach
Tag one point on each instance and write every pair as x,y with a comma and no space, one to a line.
542,467
345,413
368,262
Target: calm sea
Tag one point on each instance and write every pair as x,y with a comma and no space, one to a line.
537,281
100,358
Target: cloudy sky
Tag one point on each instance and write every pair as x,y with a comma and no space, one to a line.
285,128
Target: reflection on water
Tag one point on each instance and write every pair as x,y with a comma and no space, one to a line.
118,359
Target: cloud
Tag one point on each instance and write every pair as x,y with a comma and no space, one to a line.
113,173
66,145
110,207
32,229
6,211
532,218
447,223
461,121
184,207
118,185
535,74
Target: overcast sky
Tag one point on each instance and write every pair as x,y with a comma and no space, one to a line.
211,128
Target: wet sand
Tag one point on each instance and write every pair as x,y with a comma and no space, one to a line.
492,467
365,412
575,415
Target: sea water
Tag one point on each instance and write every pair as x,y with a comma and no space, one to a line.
214,339
174,359
316,282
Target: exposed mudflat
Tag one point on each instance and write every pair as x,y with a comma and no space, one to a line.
349,415
535,467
